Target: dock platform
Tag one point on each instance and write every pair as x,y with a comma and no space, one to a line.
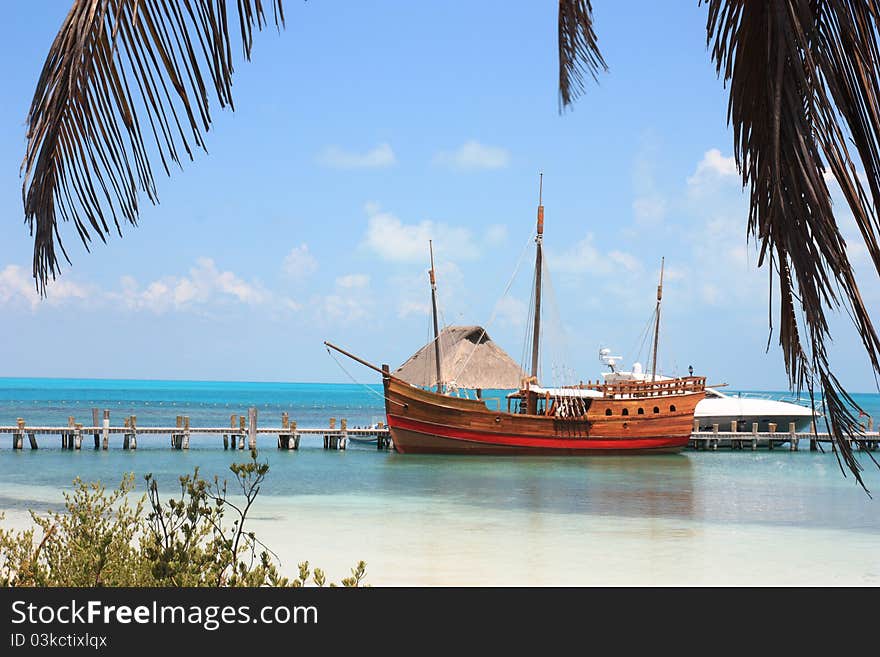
243,431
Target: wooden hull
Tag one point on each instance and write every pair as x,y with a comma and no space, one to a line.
425,422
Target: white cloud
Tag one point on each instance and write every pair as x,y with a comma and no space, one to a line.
350,301
496,234
412,290
512,312
650,204
713,166
353,281
337,158
396,241
586,257
205,284
17,285
649,209
299,263
409,308
625,260
473,155
289,304
341,308
710,294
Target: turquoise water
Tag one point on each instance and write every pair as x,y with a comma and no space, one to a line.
693,518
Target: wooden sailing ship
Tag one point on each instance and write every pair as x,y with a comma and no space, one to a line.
632,417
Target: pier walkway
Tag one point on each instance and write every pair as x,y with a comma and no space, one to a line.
243,432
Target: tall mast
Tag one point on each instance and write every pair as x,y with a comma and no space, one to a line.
657,321
434,308
539,238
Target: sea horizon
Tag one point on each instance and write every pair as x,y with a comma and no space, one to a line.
9,379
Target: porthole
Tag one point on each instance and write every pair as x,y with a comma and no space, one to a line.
607,411
641,411
672,409
656,409
625,411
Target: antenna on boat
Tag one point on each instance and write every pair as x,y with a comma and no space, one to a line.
539,238
609,360
434,309
657,321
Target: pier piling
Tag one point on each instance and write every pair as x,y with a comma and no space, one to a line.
176,438
252,427
383,440
241,431
792,438
284,436
226,436
133,444
18,436
96,420
105,431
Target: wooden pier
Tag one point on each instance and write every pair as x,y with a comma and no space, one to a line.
244,431
869,440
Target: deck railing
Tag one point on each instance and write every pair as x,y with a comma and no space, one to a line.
639,389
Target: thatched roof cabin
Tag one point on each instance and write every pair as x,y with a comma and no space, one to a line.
487,365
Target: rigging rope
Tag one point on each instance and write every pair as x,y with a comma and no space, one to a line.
646,332
494,311
359,383
554,329
527,335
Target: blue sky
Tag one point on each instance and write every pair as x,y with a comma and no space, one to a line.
365,129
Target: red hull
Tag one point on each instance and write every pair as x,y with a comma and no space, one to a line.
424,422
414,437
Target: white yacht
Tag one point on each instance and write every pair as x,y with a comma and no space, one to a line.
724,409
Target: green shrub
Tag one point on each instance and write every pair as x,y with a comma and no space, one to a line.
102,540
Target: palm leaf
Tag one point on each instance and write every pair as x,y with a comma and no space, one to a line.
803,78
121,76
578,49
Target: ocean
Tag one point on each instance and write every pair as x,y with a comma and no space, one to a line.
696,518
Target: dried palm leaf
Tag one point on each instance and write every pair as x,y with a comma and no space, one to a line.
803,78
116,70
578,49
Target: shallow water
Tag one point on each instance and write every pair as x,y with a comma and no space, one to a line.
698,518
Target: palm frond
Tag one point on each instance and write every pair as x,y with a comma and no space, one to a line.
578,49
803,78
122,74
